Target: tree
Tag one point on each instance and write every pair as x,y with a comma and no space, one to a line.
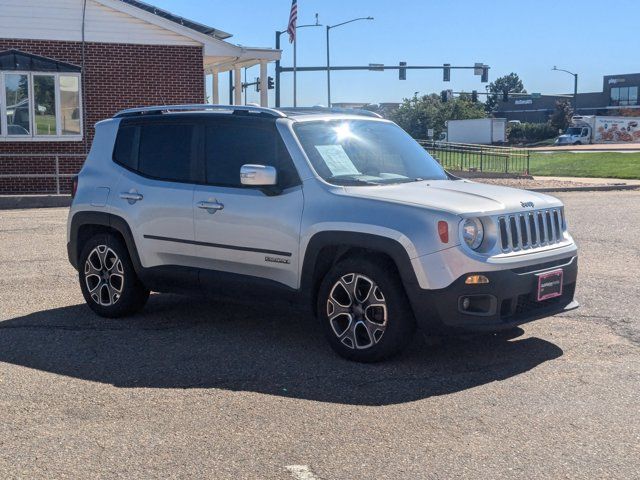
561,118
511,83
418,114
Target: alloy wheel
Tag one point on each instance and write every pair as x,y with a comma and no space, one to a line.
357,311
104,276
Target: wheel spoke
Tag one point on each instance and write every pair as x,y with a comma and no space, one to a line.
342,324
362,288
105,295
116,281
348,338
375,330
340,294
376,313
363,336
334,309
93,279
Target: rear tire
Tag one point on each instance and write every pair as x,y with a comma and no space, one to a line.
364,310
108,280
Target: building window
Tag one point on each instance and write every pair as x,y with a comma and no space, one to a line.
624,96
39,106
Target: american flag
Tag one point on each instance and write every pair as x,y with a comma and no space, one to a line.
293,20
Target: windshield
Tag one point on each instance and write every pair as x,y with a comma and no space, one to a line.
365,152
574,131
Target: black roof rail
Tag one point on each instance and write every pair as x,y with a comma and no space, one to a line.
324,110
161,109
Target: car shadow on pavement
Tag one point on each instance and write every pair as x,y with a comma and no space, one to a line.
179,342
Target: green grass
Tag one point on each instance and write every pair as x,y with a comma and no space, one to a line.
46,124
595,164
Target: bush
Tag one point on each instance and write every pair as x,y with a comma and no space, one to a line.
530,132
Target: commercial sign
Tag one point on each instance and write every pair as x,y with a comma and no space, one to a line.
617,129
526,101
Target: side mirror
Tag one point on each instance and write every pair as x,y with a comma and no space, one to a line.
258,175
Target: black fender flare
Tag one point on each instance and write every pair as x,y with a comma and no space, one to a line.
104,219
342,239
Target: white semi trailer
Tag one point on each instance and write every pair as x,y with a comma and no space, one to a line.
484,131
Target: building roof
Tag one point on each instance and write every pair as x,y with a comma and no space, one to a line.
185,22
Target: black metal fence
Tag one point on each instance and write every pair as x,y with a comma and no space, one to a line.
478,158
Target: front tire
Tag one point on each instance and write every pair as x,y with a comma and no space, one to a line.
108,280
364,310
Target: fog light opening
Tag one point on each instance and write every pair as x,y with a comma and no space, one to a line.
476,280
466,303
482,305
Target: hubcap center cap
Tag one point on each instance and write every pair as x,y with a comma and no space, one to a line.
358,311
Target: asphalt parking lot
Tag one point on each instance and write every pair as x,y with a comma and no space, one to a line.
193,389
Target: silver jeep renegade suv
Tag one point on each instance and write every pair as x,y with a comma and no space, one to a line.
340,211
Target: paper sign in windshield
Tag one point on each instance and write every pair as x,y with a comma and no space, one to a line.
337,160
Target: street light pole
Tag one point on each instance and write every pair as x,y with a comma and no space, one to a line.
575,86
329,27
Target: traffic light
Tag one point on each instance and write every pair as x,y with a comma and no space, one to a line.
402,72
257,84
446,72
446,95
474,96
485,74
505,95
270,84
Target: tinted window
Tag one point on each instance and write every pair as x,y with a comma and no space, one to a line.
229,145
166,151
123,152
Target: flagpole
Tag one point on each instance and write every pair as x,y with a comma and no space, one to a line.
295,71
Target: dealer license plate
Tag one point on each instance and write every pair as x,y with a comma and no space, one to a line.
549,285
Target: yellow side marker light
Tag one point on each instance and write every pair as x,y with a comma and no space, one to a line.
476,280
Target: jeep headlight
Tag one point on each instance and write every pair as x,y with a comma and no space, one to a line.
472,232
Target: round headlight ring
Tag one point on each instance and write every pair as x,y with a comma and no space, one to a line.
473,232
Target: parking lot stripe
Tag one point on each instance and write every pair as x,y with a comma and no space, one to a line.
301,472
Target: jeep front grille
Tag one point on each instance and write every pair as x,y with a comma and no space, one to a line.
520,231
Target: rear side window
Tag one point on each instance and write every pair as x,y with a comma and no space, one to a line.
167,151
229,145
125,153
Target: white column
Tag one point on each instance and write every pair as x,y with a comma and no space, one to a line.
215,93
237,91
264,89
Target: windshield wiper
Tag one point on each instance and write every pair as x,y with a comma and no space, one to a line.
349,180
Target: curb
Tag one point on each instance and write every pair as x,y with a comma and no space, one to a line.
594,188
13,202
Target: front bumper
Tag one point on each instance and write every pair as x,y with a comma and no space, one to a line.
508,300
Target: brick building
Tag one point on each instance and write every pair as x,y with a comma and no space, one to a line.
66,64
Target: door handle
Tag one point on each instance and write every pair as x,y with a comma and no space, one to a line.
211,207
131,197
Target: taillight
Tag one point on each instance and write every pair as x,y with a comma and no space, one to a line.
443,231
74,186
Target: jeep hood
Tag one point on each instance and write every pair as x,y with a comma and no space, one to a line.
456,196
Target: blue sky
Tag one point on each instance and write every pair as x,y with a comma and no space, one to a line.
592,38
